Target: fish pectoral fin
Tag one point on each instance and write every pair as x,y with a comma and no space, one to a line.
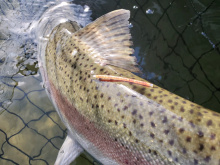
108,40
69,151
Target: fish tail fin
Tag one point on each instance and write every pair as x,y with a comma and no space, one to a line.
109,40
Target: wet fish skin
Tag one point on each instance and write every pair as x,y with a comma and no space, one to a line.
122,123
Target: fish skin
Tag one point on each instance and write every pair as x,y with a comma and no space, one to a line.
122,123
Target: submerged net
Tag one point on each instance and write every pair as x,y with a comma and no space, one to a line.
176,44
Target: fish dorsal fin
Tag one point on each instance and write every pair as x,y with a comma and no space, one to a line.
108,40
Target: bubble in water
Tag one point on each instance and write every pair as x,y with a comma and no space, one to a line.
22,68
6,103
1,92
135,7
27,73
130,25
86,9
149,11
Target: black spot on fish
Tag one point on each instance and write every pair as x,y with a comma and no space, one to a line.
191,124
153,124
212,148
188,139
134,112
164,119
125,108
201,147
151,113
181,130
184,151
171,142
141,104
169,152
209,122
207,158
166,131
196,161
152,135
134,87
182,109
176,159
140,117
200,134
142,91
152,90
212,136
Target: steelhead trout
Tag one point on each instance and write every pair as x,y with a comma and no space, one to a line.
121,122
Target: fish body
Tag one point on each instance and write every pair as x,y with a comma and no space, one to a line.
121,122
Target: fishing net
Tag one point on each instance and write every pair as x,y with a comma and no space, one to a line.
176,44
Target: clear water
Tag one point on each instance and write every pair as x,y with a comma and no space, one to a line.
176,44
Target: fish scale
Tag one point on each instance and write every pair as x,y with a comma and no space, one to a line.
123,123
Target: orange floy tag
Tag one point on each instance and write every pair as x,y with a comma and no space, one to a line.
121,79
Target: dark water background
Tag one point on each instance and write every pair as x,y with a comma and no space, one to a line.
176,44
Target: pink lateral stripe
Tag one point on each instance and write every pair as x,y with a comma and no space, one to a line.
122,79
109,147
